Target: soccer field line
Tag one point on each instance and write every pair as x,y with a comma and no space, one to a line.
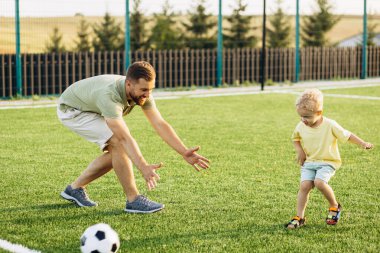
335,95
15,248
226,92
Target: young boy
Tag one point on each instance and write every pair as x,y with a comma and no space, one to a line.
315,141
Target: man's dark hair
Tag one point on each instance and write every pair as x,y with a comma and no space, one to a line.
141,69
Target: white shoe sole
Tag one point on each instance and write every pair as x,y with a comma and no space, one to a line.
138,211
69,198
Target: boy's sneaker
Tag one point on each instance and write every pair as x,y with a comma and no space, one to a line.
142,205
78,196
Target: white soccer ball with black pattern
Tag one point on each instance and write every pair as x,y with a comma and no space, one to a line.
99,238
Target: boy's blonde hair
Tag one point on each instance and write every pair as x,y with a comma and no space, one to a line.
311,100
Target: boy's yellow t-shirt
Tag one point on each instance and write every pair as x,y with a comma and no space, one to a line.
320,143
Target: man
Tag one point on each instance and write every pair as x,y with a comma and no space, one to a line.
93,108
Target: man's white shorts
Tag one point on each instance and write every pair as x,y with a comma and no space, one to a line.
89,125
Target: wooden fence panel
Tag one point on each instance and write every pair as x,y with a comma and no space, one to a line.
187,75
369,57
377,62
2,62
258,60
46,74
24,74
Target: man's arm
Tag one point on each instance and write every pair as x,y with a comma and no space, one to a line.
356,140
124,138
122,134
301,156
167,133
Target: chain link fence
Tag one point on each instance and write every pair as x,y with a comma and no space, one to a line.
64,41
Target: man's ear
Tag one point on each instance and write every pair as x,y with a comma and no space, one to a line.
128,83
319,113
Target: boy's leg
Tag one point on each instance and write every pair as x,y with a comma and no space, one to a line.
303,197
327,191
322,178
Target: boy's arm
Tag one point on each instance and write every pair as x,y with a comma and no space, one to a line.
301,155
356,140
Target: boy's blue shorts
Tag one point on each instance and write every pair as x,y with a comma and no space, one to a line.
322,171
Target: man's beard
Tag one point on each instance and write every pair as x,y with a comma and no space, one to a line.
138,100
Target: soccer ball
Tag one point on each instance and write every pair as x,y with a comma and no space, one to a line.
99,238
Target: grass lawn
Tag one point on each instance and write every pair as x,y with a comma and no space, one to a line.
239,205
368,91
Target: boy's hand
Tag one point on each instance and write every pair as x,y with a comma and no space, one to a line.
301,155
301,158
354,139
367,145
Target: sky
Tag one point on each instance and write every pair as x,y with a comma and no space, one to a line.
116,7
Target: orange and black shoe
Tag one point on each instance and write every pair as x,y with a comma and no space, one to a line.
296,222
334,215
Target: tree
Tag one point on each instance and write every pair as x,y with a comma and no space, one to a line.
54,45
83,43
237,35
138,31
108,35
371,31
163,34
316,26
279,34
199,28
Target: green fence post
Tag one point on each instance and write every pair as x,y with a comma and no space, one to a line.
127,39
364,46
18,53
219,75
297,55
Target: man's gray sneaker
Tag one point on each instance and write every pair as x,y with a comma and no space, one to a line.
143,205
78,196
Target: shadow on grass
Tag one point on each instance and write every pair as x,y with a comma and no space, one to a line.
38,207
57,212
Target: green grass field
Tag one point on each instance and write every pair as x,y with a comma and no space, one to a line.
239,205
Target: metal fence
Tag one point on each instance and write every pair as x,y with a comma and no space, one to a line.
26,28
50,74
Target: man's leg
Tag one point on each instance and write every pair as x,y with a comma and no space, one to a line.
95,169
76,192
123,168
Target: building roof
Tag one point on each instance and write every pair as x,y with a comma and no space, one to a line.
357,40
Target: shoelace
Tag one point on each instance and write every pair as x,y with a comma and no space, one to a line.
144,201
82,193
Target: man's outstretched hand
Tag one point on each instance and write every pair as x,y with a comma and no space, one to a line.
196,160
150,175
